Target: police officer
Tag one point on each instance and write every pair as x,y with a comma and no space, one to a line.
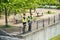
24,23
29,22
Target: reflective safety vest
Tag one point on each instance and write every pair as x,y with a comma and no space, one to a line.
23,20
30,18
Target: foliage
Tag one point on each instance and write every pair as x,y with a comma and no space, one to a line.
58,7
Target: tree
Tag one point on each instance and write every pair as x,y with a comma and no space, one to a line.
0,10
7,4
32,4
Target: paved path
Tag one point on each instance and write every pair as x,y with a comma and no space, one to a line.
39,18
2,21
45,34
32,37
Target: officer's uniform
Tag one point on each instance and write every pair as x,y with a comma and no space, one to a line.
29,22
24,23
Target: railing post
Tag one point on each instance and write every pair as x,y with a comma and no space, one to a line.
48,20
37,24
54,18
43,23
59,16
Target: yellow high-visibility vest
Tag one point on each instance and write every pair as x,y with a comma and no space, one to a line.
23,20
30,18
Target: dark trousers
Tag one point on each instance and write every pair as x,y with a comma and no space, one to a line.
24,25
30,25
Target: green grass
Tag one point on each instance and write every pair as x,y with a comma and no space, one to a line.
49,13
3,26
56,38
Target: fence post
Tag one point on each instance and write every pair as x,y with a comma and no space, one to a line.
43,23
54,18
37,24
48,20
59,16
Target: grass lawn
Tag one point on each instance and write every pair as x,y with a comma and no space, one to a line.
3,26
56,38
49,13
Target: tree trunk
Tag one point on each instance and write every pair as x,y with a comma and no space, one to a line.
34,9
8,12
30,11
16,21
6,21
0,14
37,14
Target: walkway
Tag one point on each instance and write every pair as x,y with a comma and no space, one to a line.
45,34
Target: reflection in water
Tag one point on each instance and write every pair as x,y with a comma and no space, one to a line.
45,34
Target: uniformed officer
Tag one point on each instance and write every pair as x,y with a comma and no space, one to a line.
29,22
24,23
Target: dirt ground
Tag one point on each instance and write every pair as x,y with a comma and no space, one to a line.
16,27
11,20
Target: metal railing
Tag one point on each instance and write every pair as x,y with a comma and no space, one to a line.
37,24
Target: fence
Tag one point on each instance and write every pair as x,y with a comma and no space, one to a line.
37,24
